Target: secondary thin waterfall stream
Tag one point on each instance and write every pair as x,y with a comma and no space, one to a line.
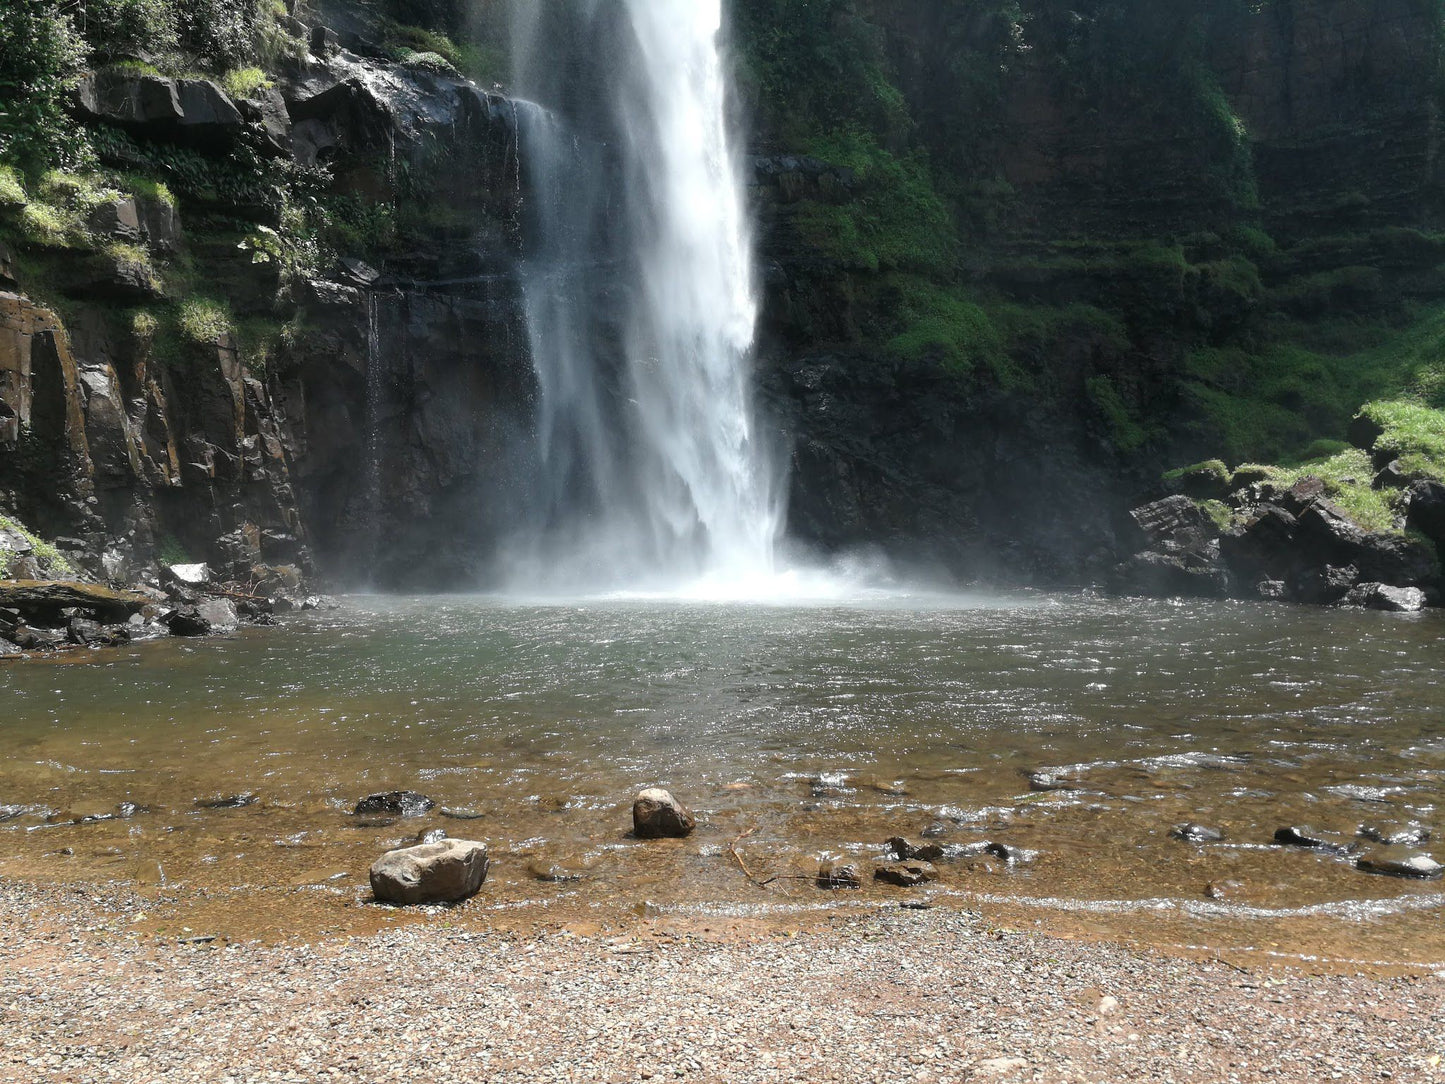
639,301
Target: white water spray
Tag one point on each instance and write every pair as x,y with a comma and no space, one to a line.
640,304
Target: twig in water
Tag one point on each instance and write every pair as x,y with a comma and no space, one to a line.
733,850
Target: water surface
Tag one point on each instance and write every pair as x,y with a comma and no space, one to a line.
802,732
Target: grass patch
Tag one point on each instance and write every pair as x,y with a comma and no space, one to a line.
147,188
202,321
12,189
1347,476
244,82
1413,433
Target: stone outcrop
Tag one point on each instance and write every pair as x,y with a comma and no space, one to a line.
447,871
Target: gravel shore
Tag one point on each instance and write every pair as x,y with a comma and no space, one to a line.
888,995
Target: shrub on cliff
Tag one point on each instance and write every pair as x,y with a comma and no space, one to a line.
40,55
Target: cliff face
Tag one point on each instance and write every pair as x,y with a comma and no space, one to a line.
1016,258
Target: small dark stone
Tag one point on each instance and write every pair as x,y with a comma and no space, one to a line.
1045,780
1305,837
396,803
1190,832
905,874
227,801
1007,853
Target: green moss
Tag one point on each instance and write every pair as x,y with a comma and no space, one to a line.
146,188
1219,513
1253,242
1213,469
1413,433
428,62
895,219
52,562
947,327
1123,428
202,320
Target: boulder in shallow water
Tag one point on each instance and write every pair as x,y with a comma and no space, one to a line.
833,874
656,813
441,872
395,803
1380,596
1420,867
187,621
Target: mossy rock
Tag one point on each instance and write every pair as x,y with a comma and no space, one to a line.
1207,481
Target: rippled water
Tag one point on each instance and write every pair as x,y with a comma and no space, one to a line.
809,731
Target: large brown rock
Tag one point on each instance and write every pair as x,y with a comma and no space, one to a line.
656,813
442,872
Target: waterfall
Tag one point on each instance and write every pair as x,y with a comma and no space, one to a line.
639,300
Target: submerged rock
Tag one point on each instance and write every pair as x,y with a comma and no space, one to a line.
1307,838
442,872
227,801
906,849
839,875
396,803
1190,832
656,813
1420,867
1410,836
905,874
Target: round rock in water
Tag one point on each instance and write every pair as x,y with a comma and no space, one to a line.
441,872
656,813
1190,832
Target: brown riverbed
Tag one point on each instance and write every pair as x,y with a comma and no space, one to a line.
798,733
